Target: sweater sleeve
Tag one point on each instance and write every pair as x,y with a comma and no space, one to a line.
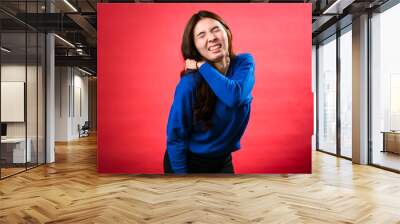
178,127
236,89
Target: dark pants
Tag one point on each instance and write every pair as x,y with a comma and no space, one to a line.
200,164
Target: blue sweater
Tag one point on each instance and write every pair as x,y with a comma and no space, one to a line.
230,117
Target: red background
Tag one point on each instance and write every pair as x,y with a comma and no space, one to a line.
139,62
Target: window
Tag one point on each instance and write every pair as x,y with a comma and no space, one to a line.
327,95
385,88
346,93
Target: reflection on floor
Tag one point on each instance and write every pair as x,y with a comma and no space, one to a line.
386,159
10,169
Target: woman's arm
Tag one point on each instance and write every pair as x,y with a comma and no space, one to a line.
236,89
179,124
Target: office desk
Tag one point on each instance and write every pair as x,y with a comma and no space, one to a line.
391,141
13,150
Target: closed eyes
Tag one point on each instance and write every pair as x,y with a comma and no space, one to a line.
202,34
216,28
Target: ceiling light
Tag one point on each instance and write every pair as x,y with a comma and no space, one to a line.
64,40
338,6
5,50
86,72
71,6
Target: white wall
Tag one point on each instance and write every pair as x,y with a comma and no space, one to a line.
62,81
81,84
71,93
16,73
12,73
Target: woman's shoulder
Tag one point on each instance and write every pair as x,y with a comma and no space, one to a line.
244,57
188,80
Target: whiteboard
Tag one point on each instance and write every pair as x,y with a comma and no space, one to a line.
12,101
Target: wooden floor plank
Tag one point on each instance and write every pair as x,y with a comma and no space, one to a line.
71,191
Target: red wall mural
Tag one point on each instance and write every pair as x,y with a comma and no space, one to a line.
139,63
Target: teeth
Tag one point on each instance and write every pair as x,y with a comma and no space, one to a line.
214,47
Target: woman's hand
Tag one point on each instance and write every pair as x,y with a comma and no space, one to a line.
192,64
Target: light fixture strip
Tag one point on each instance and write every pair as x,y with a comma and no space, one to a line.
5,50
331,7
64,40
70,5
86,72
337,7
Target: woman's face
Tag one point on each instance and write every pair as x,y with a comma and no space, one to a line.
211,39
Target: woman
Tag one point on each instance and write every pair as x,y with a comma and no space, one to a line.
211,105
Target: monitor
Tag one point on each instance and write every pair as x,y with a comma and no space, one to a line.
3,129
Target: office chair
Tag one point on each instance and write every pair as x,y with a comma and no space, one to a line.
84,130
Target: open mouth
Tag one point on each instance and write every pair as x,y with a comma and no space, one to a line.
214,47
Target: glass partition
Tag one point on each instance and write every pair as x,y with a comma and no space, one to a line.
14,153
22,77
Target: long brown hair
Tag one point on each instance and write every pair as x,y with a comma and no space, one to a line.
205,98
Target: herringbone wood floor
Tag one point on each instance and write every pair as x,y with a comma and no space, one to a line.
71,191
